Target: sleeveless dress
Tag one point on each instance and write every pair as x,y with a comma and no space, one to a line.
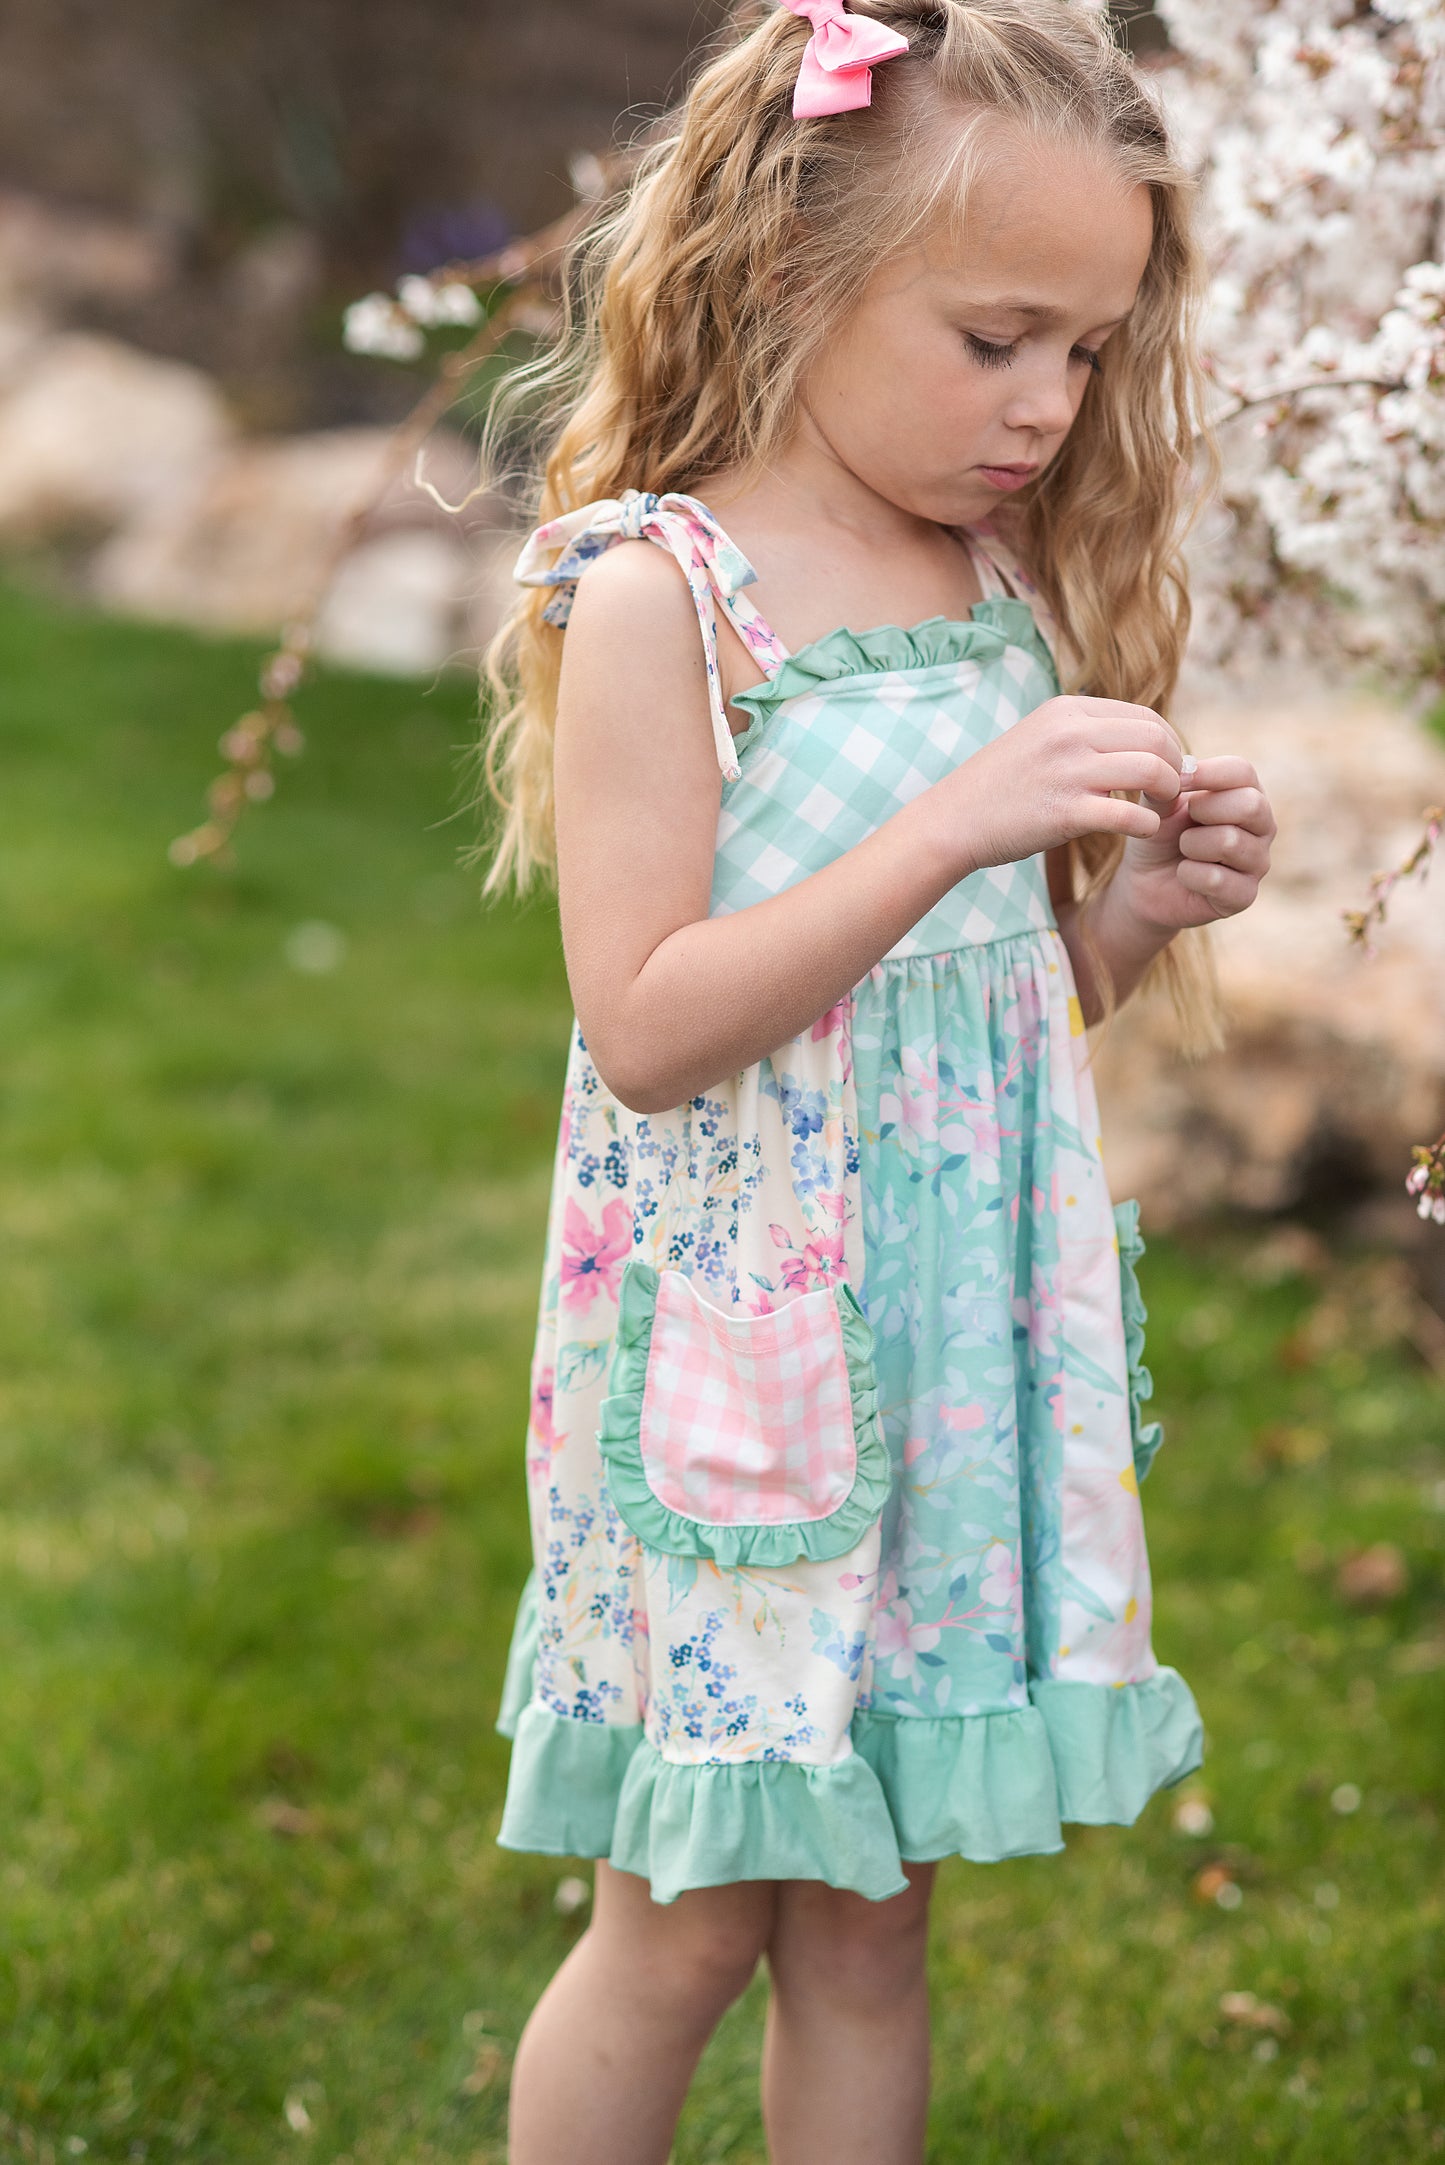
837,1399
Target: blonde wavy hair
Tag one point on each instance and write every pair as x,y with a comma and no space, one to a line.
697,299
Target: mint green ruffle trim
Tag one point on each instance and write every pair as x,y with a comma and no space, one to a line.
521,1658
1147,1435
980,1786
680,1827
1113,1745
773,1545
586,1789
999,622
565,1781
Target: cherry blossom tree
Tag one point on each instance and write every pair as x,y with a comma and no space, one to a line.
1318,127
1318,130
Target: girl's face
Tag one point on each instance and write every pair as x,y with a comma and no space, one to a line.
959,374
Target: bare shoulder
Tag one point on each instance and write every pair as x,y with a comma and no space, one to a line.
632,655
633,596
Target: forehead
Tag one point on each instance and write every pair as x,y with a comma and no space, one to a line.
1046,231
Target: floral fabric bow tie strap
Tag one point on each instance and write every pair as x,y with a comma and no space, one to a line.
836,75
686,528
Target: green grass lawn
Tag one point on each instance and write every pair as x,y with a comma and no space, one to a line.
272,1239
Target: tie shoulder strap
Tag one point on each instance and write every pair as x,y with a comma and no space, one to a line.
1003,574
716,570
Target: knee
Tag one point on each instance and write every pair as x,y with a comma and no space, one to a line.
713,1965
858,1957
688,1969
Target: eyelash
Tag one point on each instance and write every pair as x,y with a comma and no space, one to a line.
992,356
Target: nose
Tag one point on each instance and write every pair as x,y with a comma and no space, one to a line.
1044,401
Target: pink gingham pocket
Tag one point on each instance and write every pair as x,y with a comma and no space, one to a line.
746,1439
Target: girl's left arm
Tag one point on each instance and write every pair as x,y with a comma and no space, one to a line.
1206,862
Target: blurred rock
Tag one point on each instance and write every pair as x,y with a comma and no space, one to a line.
247,543
55,254
1336,1062
398,605
22,329
93,432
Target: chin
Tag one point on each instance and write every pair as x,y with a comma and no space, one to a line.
965,506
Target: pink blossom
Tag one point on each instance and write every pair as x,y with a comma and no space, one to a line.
1039,1310
913,1105
900,1640
821,1263
1001,1586
543,1407
973,1128
593,1258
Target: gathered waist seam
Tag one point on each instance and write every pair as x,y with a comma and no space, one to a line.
969,947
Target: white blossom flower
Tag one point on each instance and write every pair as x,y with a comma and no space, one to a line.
376,325
1319,128
429,304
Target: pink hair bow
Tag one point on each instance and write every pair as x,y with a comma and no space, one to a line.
836,75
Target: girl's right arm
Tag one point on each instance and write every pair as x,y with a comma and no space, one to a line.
670,1000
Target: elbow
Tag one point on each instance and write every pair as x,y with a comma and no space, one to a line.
638,1083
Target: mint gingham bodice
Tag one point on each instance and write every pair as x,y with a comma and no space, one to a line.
829,757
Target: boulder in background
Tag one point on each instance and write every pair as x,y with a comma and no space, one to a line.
1336,1061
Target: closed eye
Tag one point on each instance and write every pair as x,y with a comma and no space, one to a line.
995,356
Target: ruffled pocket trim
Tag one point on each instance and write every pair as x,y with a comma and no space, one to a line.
619,1439
1147,1435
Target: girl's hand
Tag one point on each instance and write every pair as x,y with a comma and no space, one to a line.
1049,779
1208,855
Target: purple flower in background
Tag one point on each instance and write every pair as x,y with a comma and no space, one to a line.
438,233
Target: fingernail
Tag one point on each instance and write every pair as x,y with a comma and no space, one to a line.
1188,767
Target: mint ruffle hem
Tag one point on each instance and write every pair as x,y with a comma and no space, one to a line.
980,1786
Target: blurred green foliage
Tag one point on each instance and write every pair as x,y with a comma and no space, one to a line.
276,1151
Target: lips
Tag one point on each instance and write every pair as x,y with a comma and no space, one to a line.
1008,477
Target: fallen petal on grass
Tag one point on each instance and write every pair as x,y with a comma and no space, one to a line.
1374,1576
1252,2013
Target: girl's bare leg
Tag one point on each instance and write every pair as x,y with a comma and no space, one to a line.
604,2063
845,2059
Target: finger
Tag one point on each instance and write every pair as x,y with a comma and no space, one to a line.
1137,731
1226,891
1246,807
1224,774
1120,815
1119,708
1234,846
1136,770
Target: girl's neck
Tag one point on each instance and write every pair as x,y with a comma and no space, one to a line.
806,487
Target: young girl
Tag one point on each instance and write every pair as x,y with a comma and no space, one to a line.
837,1401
